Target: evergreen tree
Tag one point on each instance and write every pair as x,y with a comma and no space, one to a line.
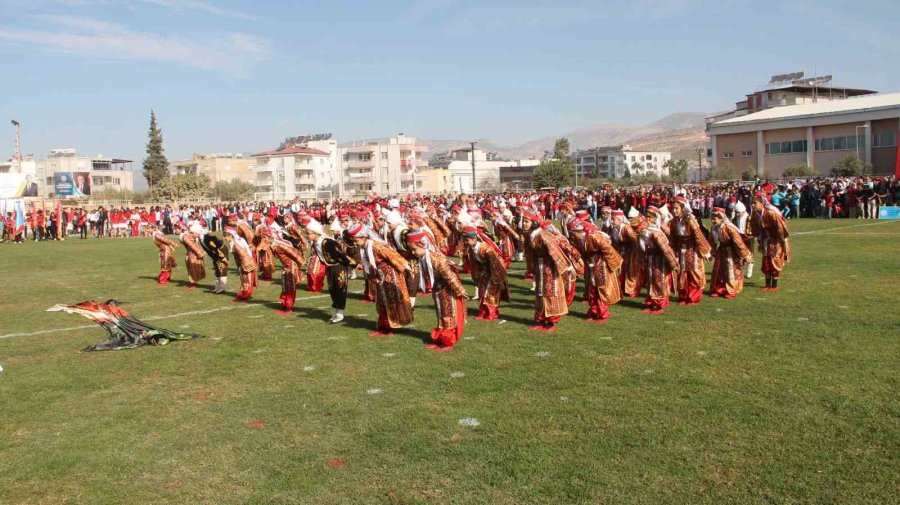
156,167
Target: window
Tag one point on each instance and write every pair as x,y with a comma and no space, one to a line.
884,139
384,155
746,154
794,146
346,157
728,155
840,143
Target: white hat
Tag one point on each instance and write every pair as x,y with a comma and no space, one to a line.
393,217
196,228
633,213
739,207
315,227
394,203
664,211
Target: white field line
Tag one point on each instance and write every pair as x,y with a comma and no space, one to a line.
826,230
156,318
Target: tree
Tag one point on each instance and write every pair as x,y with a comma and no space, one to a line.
156,167
800,171
678,170
561,150
848,167
182,187
553,174
724,172
234,190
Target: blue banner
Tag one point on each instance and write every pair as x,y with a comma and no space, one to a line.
889,213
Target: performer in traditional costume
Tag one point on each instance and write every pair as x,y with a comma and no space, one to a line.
769,227
262,244
292,262
448,293
731,255
397,240
315,269
331,255
166,255
194,254
606,223
625,240
551,264
245,262
660,263
691,248
602,263
506,236
388,267
217,251
488,273
531,222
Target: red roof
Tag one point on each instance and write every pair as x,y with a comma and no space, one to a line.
292,150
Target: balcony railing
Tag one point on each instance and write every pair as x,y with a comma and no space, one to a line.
362,164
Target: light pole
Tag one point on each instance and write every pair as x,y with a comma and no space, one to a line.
700,163
473,166
864,126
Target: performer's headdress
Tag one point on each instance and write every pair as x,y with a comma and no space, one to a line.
470,232
719,211
355,230
416,238
315,227
582,214
652,208
681,200
740,208
532,216
576,225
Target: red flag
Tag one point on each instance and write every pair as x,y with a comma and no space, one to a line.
897,166
59,225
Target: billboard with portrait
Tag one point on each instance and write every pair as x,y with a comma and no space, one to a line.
72,184
17,186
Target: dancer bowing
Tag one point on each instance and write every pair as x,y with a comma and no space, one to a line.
659,262
602,262
217,251
331,255
245,262
167,259
193,258
488,273
292,262
447,290
551,264
388,268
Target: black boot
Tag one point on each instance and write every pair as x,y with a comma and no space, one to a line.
768,282
774,284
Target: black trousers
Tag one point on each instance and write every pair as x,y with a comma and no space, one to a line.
337,286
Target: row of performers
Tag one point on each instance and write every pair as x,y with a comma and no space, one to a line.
402,255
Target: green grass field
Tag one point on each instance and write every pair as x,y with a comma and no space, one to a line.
788,397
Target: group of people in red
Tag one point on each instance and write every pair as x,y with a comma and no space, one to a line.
421,245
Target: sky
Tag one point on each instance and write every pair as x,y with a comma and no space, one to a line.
232,76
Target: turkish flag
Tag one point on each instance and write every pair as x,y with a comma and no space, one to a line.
897,165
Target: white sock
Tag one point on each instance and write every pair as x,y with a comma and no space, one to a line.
412,301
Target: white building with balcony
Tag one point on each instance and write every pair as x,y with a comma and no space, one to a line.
383,167
487,169
615,162
302,167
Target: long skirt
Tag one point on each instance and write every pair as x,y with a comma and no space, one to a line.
451,319
315,275
195,269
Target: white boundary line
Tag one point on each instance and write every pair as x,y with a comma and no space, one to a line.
826,230
156,318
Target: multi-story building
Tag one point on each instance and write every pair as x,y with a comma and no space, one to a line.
219,167
786,90
615,162
487,168
383,167
97,173
817,135
305,167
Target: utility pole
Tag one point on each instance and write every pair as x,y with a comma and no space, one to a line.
18,156
699,164
473,166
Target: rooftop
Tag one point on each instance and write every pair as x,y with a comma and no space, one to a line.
288,151
825,108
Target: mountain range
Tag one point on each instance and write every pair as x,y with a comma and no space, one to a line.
682,134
